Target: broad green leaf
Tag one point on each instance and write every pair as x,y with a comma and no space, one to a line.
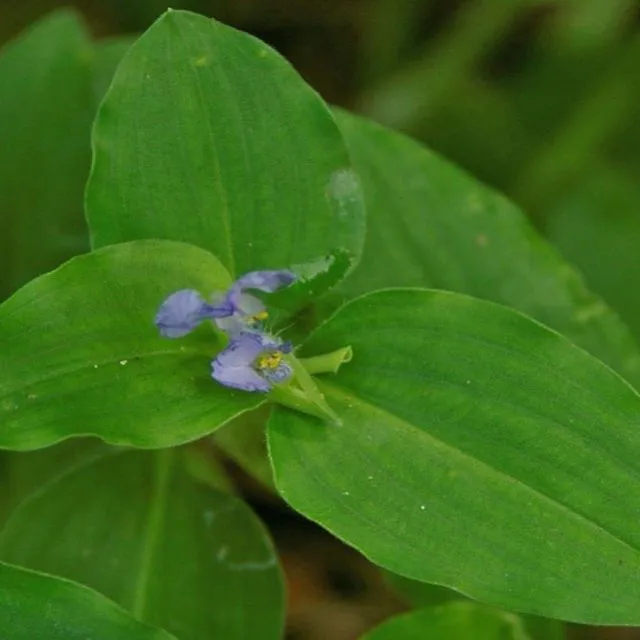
455,621
597,225
208,136
538,628
33,605
422,595
107,56
81,354
45,121
478,450
23,472
27,471
431,225
136,527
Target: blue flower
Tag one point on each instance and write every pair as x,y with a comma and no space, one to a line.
252,362
236,310
184,310
248,310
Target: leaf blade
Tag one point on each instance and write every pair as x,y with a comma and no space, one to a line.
431,225
35,605
454,621
465,467
82,338
224,127
176,554
45,123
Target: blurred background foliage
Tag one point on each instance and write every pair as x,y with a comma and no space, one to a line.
537,98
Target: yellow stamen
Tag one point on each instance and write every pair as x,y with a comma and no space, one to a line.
260,316
269,360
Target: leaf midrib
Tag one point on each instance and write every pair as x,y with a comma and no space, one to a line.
157,510
223,214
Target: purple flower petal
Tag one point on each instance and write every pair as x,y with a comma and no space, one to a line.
241,377
268,281
232,367
247,304
232,325
242,350
184,310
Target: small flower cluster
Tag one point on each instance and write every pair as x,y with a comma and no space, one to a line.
253,359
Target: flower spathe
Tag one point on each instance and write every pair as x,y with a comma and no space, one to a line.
234,312
252,361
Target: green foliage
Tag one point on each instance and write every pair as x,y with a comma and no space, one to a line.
34,605
175,554
597,225
423,595
455,621
459,443
98,360
201,133
481,443
25,472
45,119
431,225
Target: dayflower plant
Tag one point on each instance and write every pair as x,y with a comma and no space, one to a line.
454,445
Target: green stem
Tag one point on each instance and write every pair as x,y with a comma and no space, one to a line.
310,389
307,398
294,398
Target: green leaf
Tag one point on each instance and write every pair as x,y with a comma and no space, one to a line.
27,471
45,121
107,56
240,156
422,595
82,356
596,224
544,628
431,225
478,450
33,605
135,527
455,621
